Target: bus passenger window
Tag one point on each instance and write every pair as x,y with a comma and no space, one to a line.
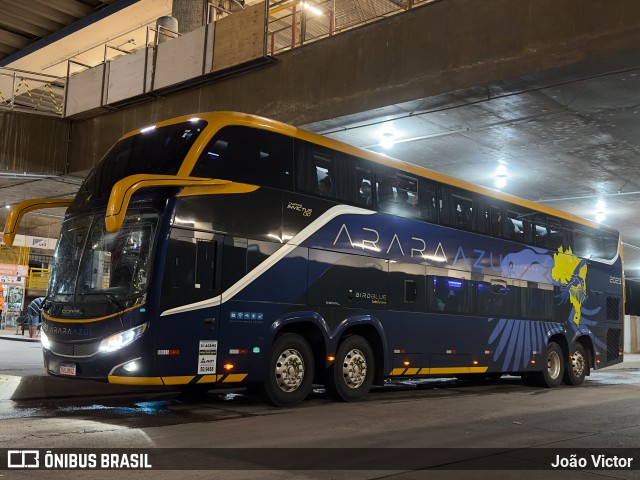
548,234
498,299
517,226
248,155
365,193
497,222
397,194
428,201
456,208
450,295
325,185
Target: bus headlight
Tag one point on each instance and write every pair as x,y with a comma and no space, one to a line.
122,339
44,340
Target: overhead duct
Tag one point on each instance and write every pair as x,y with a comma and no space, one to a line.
167,28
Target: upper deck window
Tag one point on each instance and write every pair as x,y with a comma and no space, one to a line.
248,155
158,151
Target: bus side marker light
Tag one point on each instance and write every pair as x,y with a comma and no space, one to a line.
533,362
475,362
228,366
331,358
406,364
598,361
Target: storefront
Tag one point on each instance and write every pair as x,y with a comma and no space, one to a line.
12,281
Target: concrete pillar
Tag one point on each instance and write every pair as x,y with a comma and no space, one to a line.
190,14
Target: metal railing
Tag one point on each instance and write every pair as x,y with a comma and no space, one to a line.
38,279
32,92
296,23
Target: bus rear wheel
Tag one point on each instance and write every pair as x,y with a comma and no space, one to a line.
553,364
577,367
290,371
351,375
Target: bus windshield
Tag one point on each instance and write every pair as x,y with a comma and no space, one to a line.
91,261
153,151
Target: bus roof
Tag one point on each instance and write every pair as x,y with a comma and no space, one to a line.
220,119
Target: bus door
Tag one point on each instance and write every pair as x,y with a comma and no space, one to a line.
190,307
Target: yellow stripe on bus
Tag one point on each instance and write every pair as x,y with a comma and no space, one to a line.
135,380
437,371
209,379
178,380
218,189
234,378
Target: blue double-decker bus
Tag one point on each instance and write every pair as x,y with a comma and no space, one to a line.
226,249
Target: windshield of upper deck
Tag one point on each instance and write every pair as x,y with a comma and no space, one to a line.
158,151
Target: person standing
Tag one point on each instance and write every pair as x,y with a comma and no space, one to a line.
33,310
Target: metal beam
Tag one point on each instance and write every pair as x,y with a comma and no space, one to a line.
19,24
6,49
34,18
13,39
45,11
72,7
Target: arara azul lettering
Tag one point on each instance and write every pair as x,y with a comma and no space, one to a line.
416,247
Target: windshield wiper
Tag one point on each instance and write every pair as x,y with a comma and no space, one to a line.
113,301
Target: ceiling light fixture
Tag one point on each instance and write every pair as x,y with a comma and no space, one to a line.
501,175
601,211
387,140
311,8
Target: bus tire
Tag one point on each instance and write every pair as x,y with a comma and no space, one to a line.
290,371
577,366
553,363
351,375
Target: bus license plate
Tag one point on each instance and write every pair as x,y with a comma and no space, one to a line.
67,369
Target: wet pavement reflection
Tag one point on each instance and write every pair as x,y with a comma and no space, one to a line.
172,408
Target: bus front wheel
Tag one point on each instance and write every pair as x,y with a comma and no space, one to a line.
290,372
351,375
577,367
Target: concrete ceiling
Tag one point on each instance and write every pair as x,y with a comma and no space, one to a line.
568,138
24,23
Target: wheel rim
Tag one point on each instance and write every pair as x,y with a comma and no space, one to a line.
577,364
289,370
354,368
553,365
